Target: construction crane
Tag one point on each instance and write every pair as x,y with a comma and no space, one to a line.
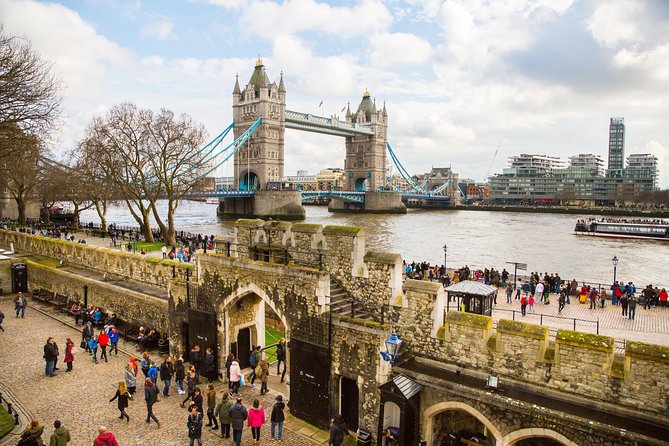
494,157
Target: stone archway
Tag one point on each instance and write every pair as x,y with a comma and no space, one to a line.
431,412
254,299
535,432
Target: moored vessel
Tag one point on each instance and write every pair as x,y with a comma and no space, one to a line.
641,229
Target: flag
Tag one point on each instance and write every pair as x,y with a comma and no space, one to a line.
321,104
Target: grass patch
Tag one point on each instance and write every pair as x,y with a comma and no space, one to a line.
6,422
272,336
148,246
46,261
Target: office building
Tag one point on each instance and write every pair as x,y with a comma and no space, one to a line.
616,145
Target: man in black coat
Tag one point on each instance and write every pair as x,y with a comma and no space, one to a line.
86,334
195,426
50,356
166,372
150,396
238,414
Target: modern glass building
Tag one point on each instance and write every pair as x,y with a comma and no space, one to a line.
616,144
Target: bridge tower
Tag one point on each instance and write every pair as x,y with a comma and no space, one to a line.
260,162
366,154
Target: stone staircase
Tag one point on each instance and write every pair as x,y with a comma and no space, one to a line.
343,304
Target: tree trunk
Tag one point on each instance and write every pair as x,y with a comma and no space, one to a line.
21,205
101,208
159,221
171,238
75,217
148,235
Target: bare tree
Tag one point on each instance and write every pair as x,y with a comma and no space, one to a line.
176,162
19,171
148,156
29,92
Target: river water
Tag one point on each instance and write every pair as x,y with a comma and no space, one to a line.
477,238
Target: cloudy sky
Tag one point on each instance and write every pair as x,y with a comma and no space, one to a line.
460,77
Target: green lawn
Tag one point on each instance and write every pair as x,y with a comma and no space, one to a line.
6,422
148,246
272,336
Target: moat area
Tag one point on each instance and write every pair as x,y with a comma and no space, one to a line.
479,239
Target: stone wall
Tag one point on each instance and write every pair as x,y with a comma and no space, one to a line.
355,355
580,364
6,275
141,268
129,305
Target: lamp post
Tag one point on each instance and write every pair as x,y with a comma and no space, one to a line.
614,260
393,344
445,250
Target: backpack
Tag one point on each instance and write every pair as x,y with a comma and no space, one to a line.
253,359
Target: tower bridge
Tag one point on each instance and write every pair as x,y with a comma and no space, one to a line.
259,164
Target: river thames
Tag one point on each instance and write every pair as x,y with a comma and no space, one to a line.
480,239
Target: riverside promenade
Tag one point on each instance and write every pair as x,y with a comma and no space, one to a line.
80,399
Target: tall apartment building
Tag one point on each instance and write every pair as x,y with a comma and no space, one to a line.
616,145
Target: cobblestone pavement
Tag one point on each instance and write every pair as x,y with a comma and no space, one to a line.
80,399
648,326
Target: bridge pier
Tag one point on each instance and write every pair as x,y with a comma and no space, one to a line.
375,203
265,204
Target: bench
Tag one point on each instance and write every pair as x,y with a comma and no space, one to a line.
41,295
58,300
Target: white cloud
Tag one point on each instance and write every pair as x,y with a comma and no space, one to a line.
267,18
159,29
393,49
614,21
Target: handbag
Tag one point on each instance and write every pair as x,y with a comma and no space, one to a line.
241,381
82,345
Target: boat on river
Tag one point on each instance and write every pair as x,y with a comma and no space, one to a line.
642,229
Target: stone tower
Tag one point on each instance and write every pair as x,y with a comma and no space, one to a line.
260,161
366,154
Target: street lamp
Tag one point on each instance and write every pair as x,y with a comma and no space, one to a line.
614,260
393,344
445,250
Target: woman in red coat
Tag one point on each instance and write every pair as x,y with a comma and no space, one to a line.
69,358
663,297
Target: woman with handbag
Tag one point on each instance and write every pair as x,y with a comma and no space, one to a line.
235,376
69,356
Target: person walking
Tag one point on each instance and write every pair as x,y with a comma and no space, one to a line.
105,438
190,387
36,430
113,340
150,396
20,305
196,361
122,395
103,341
277,418
624,303
211,406
179,374
87,334
262,371
222,411
593,298
146,364
166,372
60,436
50,355
235,376
238,414
561,302
2,319
509,293
130,379
253,362
69,356
153,374
523,305
281,358
198,399
195,426
338,431
256,420
93,346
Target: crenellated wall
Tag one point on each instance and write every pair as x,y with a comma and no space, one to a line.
141,268
576,363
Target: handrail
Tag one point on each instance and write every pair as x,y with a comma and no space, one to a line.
365,309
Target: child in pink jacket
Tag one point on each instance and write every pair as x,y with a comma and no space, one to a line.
256,419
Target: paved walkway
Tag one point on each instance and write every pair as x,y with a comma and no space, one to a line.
81,399
648,326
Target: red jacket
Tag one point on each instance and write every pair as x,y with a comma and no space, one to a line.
105,439
68,353
663,296
103,339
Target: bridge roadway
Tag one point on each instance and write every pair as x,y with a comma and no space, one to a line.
355,196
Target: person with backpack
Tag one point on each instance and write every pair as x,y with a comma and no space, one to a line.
222,411
253,362
153,374
195,426
262,372
277,418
